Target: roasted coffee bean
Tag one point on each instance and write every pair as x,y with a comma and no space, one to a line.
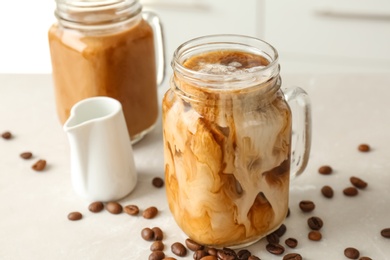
158,234
327,191
365,258
226,254
326,170
169,258
291,242
315,235
253,257
212,251
385,232
281,230
114,207
292,256
364,148
157,246
147,234
158,182
6,135
179,249
275,249
75,216
157,255
273,238
350,191
209,257
358,183
26,155
315,223
351,253
96,206
192,245
198,254
132,210
150,212
39,165
243,254
307,205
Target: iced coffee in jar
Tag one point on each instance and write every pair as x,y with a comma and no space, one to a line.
227,140
107,48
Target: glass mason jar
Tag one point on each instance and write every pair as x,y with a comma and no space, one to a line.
227,140
107,48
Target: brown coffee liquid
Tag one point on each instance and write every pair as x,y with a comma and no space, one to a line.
120,65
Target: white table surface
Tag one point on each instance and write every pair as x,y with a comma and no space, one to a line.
347,110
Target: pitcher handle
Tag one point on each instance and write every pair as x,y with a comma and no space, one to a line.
301,137
159,43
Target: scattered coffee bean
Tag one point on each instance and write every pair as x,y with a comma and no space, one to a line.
385,232
132,210
281,230
6,135
253,257
39,165
158,234
179,249
325,170
315,235
157,255
169,258
147,234
227,254
364,148
273,238
192,245
350,191
212,251
209,257
75,216
327,191
292,256
307,205
26,155
243,254
199,254
96,206
275,249
150,212
358,183
291,242
315,223
114,207
157,246
365,258
158,182
351,253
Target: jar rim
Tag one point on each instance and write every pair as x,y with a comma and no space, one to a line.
237,42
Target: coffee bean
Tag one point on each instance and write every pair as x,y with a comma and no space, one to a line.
253,257
75,216
385,232
292,256
192,245
307,205
281,230
351,253
150,212
114,207
26,155
132,210
96,206
226,254
157,246
315,223
158,234
291,242
169,258
209,257
315,235
364,148
6,135
275,249
157,255
212,251
198,254
350,191
147,234
39,165
365,258
158,182
327,191
325,170
243,254
273,238
358,183
179,249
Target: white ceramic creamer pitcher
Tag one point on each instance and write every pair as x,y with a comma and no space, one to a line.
102,163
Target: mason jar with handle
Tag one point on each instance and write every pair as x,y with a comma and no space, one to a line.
227,131
108,48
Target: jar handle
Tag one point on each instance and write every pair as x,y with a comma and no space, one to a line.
299,103
159,43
